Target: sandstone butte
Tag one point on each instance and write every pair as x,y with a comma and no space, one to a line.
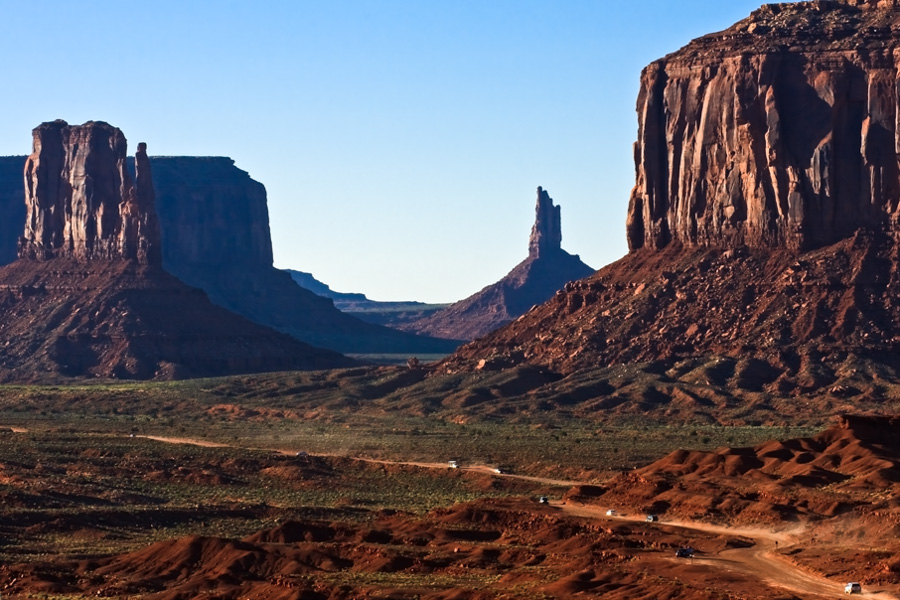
764,220
88,295
215,236
546,269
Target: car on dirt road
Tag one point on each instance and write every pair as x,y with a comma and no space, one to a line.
685,552
612,513
853,588
652,518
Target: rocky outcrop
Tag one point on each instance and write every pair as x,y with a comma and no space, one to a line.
12,206
780,132
215,235
763,226
214,226
80,200
89,298
533,281
202,202
546,233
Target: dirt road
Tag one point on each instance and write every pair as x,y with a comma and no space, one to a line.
761,560
484,469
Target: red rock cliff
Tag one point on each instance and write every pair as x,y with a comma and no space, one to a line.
80,200
780,131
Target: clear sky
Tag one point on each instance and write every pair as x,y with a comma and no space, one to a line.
400,141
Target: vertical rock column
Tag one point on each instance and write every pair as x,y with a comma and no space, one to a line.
80,200
546,234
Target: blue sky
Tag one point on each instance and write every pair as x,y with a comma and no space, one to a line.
401,142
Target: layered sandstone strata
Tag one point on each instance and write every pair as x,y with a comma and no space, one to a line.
80,200
781,131
763,226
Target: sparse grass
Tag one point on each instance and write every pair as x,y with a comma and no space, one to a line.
135,491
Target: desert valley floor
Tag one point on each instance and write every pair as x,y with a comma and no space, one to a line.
222,488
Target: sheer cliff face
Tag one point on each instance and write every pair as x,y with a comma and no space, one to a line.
781,131
203,201
81,202
546,234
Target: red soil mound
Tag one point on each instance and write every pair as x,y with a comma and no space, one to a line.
828,474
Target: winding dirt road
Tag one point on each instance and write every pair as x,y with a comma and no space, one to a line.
760,560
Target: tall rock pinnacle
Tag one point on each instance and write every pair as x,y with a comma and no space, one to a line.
546,234
80,200
536,279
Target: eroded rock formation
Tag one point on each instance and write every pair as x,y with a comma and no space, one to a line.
533,281
12,206
546,233
80,199
214,224
763,226
215,234
779,132
88,297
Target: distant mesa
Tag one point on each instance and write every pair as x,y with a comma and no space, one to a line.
533,281
392,314
88,296
764,220
214,235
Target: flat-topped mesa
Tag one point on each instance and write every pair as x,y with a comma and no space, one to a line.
80,200
546,234
781,131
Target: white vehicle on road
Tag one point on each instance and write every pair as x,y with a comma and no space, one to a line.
853,588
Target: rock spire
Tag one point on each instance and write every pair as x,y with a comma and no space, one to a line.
81,201
546,234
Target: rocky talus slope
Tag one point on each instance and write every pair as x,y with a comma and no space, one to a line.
533,281
763,225
88,295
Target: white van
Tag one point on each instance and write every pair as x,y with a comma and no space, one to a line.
853,588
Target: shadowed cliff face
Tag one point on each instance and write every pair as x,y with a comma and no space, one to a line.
215,228
778,132
546,233
80,201
12,207
213,214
